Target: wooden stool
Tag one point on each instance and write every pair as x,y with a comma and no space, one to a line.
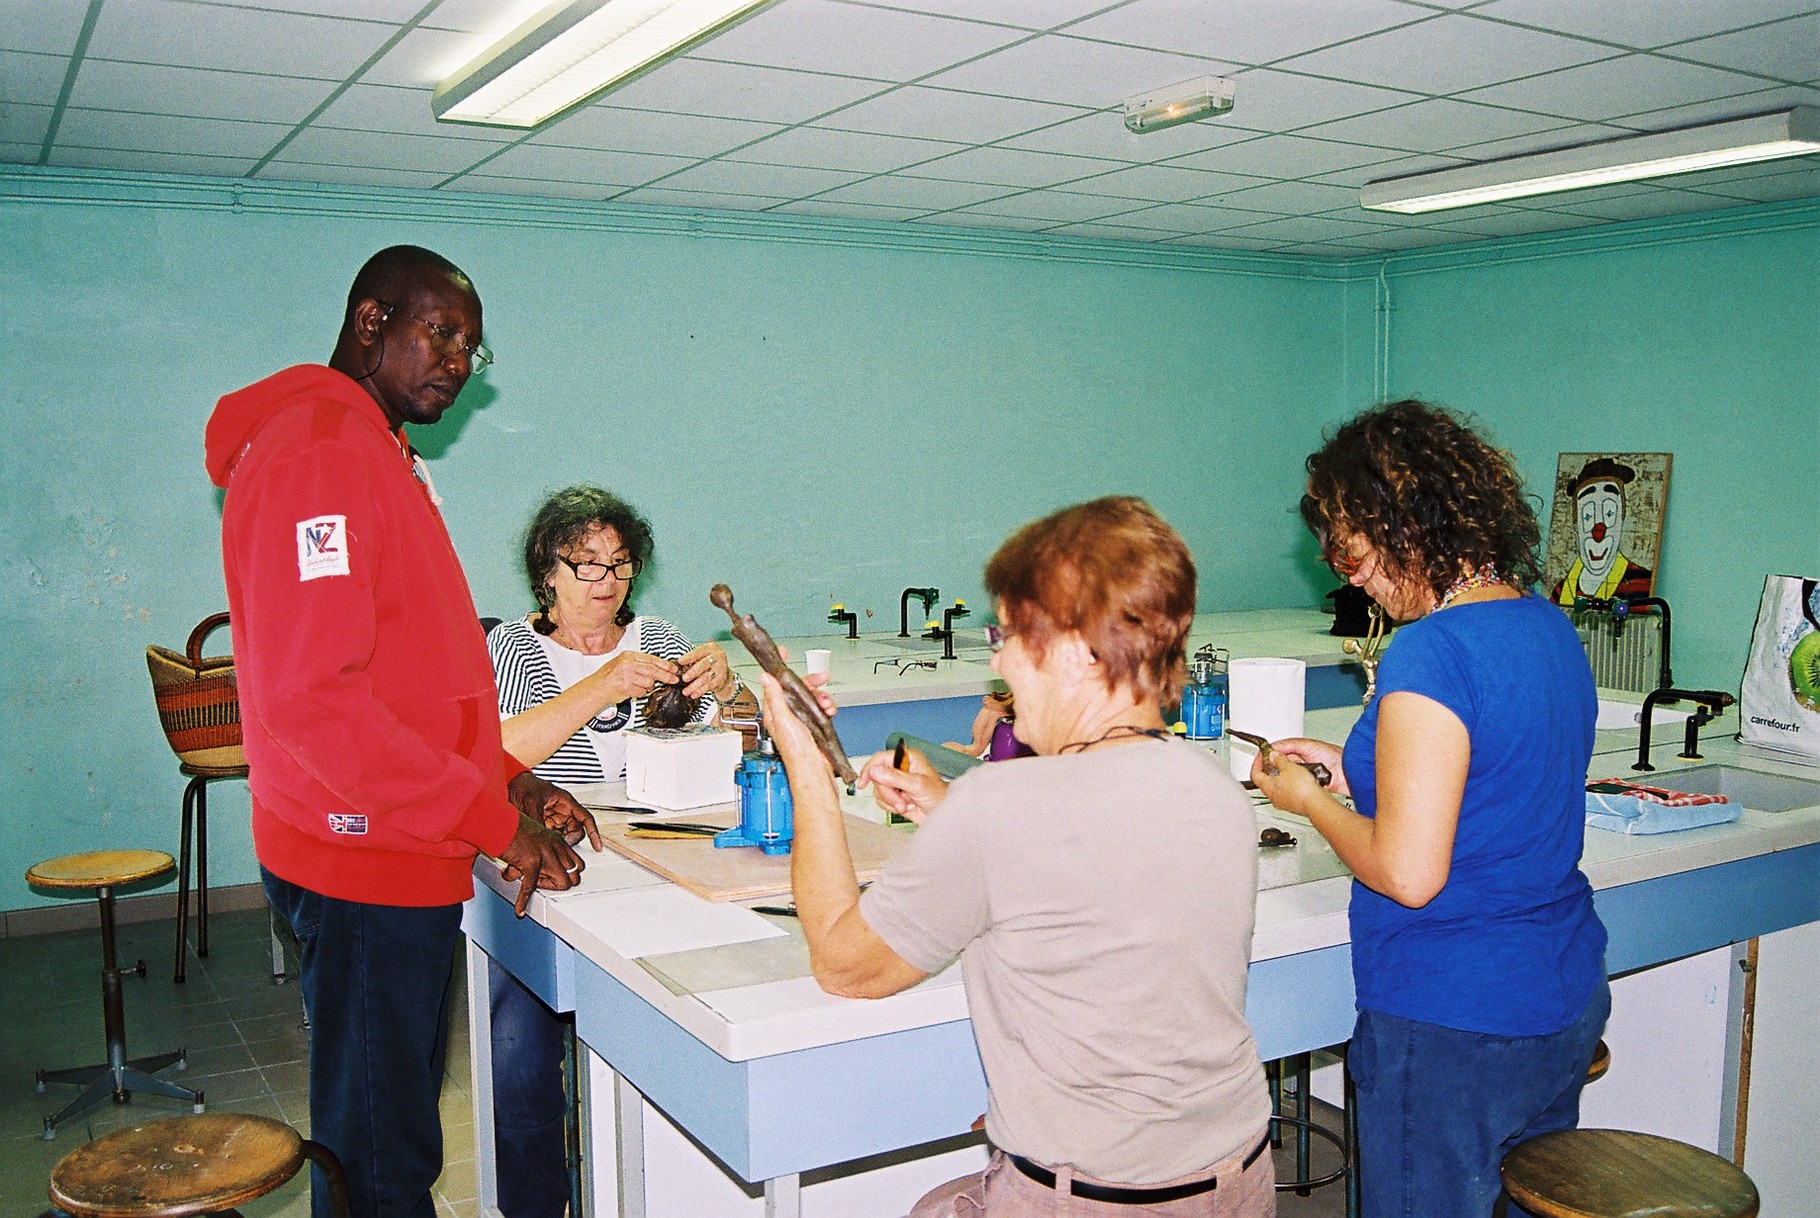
188,1165
103,871
1601,1062
1611,1173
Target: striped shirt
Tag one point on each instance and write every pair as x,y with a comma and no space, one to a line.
527,677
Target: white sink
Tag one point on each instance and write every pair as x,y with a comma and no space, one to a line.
1615,714
1754,789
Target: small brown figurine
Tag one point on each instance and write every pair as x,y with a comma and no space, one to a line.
668,706
747,630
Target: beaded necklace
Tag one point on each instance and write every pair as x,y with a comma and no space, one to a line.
1120,732
1485,577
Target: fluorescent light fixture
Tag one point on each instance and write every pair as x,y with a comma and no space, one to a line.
573,50
1658,154
1202,97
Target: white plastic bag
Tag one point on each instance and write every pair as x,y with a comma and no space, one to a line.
1780,707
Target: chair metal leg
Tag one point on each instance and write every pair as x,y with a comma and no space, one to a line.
183,878
202,869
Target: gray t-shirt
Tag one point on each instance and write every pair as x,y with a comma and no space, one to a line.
1101,904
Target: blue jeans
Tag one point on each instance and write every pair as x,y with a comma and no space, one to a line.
1439,1108
529,1103
375,982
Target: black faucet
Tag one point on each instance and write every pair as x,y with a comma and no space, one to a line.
927,595
1620,608
1709,704
945,631
840,613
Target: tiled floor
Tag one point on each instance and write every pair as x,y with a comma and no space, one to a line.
247,1052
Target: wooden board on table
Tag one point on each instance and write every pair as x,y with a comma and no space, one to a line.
743,872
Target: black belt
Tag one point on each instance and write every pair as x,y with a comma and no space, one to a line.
1132,1196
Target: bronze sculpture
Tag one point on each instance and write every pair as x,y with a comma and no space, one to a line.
747,630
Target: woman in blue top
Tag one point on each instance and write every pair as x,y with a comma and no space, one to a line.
1477,956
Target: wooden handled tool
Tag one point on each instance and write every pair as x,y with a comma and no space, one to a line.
1322,774
747,630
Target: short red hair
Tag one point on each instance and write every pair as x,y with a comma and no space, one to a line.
1113,572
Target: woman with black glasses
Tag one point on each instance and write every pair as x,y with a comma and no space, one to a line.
576,674
573,677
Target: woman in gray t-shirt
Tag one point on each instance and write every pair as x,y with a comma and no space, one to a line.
1099,894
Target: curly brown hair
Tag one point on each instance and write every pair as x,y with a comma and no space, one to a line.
562,521
1432,496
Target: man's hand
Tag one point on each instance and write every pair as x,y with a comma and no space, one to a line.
559,811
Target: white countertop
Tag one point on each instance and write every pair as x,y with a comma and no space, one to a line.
744,988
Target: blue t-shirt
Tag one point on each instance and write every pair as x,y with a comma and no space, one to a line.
1511,944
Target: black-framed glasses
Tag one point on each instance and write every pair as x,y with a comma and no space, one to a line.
625,570
447,341
996,635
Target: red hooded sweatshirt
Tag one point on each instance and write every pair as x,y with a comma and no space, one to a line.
366,696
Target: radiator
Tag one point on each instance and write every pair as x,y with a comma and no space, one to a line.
1627,656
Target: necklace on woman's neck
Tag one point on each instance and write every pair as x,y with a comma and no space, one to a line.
1485,577
1122,732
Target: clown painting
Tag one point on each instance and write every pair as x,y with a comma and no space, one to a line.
1605,534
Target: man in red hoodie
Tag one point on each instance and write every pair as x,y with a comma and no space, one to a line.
369,712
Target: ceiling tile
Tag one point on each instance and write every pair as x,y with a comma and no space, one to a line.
1286,156
1164,183
1110,232
820,148
1104,135
1570,136
1026,14
1765,186
1269,100
1788,50
542,188
235,39
731,90
1243,31
1406,239
777,181
424,58
31,79
396,12
106,84
1057,206
18,154
657,196
931,194
606,169
1305,228
1400,168
166,133
1189,218
47,26
1013,167
25,125
1435,124
883,44
972,118
404,110
1452,52
348,175
1596,92
1292,198
1642,23
1227,241
1522,223
385,150
1743,105
976,220
151,162
620,130
1074,71
494,18
1659,201
852,211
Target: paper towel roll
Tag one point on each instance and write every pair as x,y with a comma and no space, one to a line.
1267,699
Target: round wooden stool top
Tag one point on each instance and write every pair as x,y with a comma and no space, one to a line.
1611,1173
1601,1062
100,869
190,769
177,1167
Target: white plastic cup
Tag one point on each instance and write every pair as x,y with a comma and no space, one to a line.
817,659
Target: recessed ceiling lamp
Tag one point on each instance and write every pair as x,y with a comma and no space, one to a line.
1202,97
574,49
1739,141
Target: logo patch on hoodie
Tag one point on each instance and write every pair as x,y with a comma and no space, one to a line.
322,548
347,822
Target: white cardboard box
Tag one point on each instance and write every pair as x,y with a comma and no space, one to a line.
683,767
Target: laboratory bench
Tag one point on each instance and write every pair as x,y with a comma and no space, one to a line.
719,1073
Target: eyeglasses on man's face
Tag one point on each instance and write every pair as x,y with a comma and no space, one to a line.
447,340
625,570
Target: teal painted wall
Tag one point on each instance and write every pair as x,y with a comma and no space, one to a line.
1700,338
805,419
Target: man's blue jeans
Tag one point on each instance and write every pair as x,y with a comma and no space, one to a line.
375,984
1439,1108
529,1102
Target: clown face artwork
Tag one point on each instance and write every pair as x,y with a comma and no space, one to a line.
1603,566
1599,515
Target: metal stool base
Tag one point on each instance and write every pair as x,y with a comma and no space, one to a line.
102,1081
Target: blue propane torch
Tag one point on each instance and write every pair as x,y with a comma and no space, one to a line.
1204,697
766,815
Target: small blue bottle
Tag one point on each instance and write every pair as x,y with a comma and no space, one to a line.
1204,697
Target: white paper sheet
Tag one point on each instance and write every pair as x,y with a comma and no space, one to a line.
656,920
